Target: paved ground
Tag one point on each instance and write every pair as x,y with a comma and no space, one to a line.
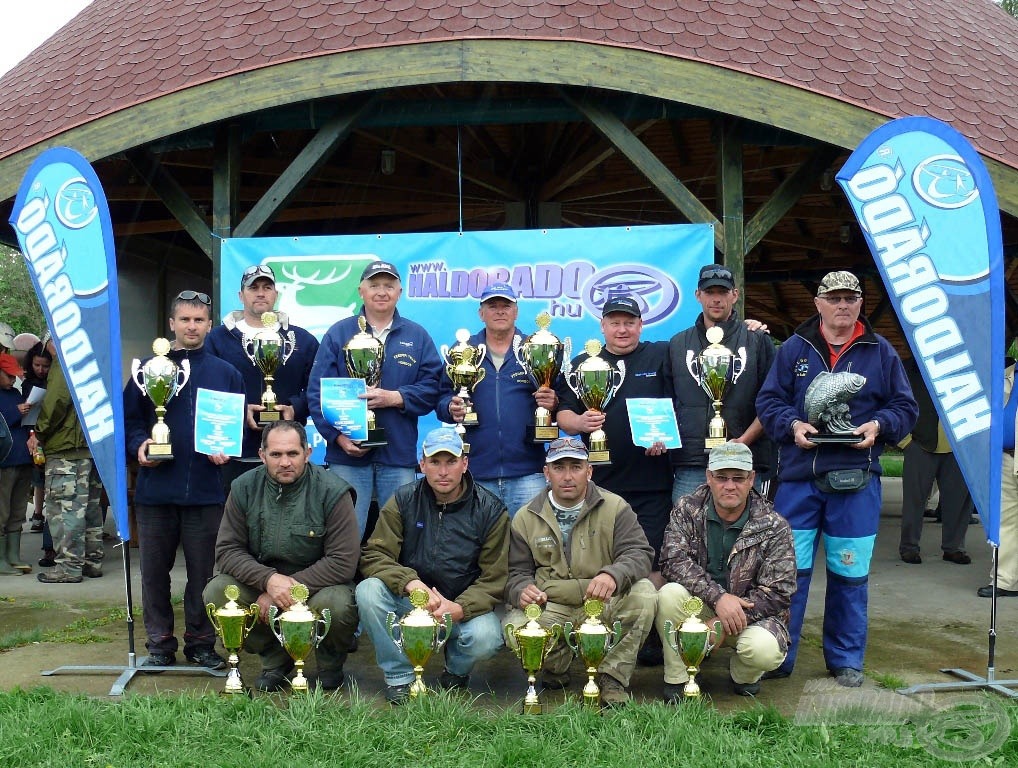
923,617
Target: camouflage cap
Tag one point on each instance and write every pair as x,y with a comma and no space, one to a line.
839,281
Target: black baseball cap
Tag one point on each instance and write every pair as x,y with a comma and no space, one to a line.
379,268
716,275
626,304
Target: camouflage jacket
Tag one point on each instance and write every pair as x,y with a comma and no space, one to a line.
761,565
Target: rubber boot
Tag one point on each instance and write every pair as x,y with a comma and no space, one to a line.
14,552
5,567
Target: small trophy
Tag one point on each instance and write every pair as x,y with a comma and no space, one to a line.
233,623
715,361
160,378
267,350
464,369
363,355
826,401
692,641
591,643
419,634
595,381
532,643
542,356
299,631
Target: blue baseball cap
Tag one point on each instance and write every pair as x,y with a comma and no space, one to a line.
499,291
442,440
625,304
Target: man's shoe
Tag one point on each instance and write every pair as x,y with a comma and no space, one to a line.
397,694
451,682
59,576
987,591
327,679
613,693
912,557
674,693
205,657
48,559
847,677
91,571
960,557
745,689
274,678
158,660
555,681
651,654
38,523
776,674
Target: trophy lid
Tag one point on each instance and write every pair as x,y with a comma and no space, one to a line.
715,334
462,336
363,339
269,319
231,608
593,608
593,362
532,628
693,623
542,335
161,347
419,616
298,611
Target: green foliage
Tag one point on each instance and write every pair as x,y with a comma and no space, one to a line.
1010,6
21,307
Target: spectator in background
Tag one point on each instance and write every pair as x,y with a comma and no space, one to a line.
15,470
37,364
1006,575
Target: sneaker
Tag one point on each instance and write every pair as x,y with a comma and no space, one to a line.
205,657
745,689
613,693
158,660
674,693
397,694
274,678
555,681
776,674
847,677
451,682
92,571
59,576
328,679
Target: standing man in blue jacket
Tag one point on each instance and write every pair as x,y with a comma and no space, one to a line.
258,295
816,494
502,459
408,390
179,501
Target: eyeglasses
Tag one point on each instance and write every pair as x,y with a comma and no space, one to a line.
192,295
258,269
715,273
836,300
726,479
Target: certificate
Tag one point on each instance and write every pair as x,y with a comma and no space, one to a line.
219,422
652,420
342,407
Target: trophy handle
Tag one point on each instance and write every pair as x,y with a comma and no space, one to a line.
247,342
183,375
137,375
274,627
621,374
481,373
669,637
443,631
289,347
567,356
569,635
210,609
323,624
482,352
614,636
738,364
253,613
397,635
444,351
556,635
572,380
510,638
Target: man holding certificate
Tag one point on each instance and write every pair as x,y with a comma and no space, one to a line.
180,500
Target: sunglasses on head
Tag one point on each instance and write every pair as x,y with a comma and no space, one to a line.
258,269
192,295
716,273
567,442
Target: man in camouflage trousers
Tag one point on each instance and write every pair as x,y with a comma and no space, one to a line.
72,486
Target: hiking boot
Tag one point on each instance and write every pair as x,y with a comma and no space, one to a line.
613,693
745,689
674,693
158,660
92,571
555,681
206,657
274,678
59,576
328,679
451,682
959,556
397,694
847,677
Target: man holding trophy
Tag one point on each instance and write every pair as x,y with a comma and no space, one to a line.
447,536
179,500
262,344
502,459
287,494
836,394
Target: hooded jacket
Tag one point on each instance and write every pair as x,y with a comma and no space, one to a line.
58,428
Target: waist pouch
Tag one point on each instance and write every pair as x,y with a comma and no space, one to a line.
843,480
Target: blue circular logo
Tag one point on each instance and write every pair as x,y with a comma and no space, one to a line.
944,181
75,204
655,292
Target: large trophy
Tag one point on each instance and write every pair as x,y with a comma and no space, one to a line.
160,378
299,631
532,643
591,643
233,623
595,382
418,635
714,364
692,641
464,369
267,350
826,401
542,357
363,355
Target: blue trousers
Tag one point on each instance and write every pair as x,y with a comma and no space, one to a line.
378,481
848,523
515,492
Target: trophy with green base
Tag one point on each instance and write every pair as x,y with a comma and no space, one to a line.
300,631
692,641
532,643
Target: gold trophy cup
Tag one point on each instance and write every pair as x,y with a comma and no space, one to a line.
532,643
363,355
542,357
160,379
464,369
595,382
267,350
232,623
591,643
418,635
715,361
692,641
299,631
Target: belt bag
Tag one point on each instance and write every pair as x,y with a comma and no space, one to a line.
843,480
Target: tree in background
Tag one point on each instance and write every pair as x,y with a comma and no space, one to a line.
20,306
1010,6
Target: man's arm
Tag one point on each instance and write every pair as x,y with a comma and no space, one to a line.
775,582
421,395
485,593
233,554
325,366
679,556
339,563
380,554
775,404
632,554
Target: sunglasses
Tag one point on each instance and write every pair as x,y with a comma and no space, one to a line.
567,442
715,273
836,300
192,295
258,269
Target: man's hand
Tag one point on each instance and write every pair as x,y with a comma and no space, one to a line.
801,433
591,421
869,431
756,325
445,605
433,597
457,409
218,458
382,398
601,586
732,612
264,602
278,590
656,449
32,442
349,447
546,398
253,409
143,459
531,594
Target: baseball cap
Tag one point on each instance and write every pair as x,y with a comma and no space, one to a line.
10,366
499,291
6,336
730,456
566,448
839,281
379,268
716,275
442,439
254,272
625,304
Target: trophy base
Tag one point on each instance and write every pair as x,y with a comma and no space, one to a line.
466,449
536,434
470,419
159,452
713,442
269,416
843,439
535,708
376,439
599,458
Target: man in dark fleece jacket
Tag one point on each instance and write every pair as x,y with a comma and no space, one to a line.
179,501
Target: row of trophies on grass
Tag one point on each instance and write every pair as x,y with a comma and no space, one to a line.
419,634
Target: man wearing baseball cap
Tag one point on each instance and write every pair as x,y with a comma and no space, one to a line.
408,390
502,459
833,489
446,535
727,546
576,541
257,296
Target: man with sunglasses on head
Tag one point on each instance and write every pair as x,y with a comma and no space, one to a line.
180,501
754,354
258,295
832,489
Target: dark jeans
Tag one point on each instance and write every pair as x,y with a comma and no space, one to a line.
161,529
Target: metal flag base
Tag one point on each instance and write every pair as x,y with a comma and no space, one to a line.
970,682
128,672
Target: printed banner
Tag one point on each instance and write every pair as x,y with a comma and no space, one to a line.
63,225
927,207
